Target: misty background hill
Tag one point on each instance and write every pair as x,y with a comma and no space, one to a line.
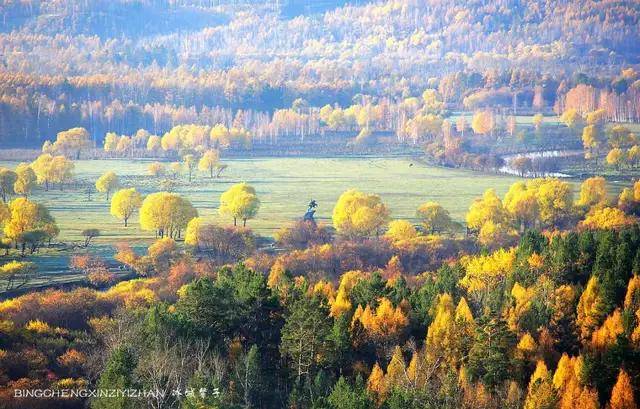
106,64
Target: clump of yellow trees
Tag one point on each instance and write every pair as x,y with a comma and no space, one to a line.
167,214
124,203
239,202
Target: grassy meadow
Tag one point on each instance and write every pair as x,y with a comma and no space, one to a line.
284,186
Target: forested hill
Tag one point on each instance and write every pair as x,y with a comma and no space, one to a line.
126,18
106,19
99,63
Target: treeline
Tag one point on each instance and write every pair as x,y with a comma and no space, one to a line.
26,119
56,82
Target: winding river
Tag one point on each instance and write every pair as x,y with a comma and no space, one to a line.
510,170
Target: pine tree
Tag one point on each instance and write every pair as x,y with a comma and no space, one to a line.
118,375
345,396
306,341
590,308
489,358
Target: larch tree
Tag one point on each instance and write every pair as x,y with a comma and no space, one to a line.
590,311
383,325
396,370
107,183
441,334
622,395
240,202
376,383
607,335
341,303
527,346
124,203
486,272
575,396
565,371
632,296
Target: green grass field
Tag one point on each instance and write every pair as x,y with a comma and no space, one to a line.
284,185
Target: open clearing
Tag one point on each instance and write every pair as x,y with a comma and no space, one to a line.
284,186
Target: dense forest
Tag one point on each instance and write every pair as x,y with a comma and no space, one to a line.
537,307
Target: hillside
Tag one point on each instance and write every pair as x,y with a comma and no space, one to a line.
67,61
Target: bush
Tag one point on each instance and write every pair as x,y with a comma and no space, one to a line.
303,234
226,244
